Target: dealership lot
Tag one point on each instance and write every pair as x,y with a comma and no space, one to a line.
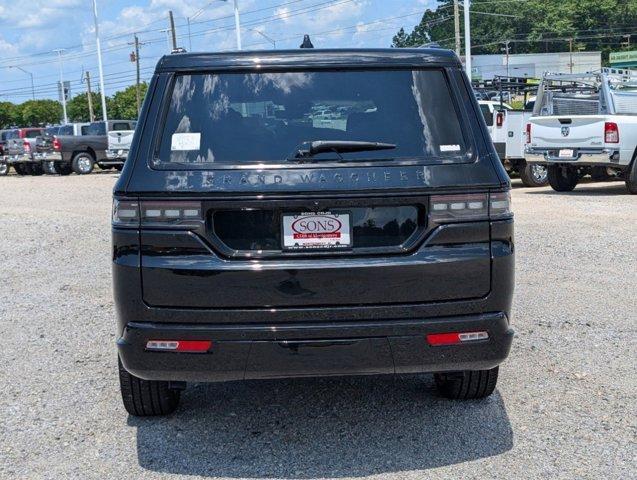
564,407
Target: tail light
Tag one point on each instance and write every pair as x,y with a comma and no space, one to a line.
153,213
57,145
185,346
499,119
528,133
27,146
469,207
611,132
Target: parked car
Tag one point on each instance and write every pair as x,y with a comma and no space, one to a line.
19,151
80,154
246,247
507,128
585,124
44,144
119,143
5,135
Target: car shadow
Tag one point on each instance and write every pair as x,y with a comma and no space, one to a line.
589,189
324,427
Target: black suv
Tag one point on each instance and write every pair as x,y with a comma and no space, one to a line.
309,213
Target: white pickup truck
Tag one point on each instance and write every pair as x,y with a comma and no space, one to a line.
585,124
507,128
119,142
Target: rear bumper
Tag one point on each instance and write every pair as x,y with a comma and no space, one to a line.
47,156
22,158
116,155
256,351
582,157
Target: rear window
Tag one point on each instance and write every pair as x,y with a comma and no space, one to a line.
32,133
97,128
219,120
65,130
118,126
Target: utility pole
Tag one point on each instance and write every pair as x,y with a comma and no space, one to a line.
59,52
456,25
467,39
135,58
506,50
99,62
570,49
172,29
89,97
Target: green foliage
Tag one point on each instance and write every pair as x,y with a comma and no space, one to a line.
40,112
9,114
124,103
535,26
77,108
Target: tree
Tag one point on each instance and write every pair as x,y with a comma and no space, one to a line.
40,112
532,26
77,107
124,103
9,114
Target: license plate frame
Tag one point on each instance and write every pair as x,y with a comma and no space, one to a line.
320,235
566,153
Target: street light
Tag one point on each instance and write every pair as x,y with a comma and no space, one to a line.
99,62
28,73
195,15
267,37
59,52
237,22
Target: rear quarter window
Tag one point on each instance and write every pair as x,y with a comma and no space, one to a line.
229,119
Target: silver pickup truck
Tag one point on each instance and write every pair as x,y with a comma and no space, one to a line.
585,124
119,142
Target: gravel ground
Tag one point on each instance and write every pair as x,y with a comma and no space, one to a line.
564,408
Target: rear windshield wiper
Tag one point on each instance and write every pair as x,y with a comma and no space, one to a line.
338,147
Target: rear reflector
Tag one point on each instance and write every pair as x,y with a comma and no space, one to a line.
188,346
455,338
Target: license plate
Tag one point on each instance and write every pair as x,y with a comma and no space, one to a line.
566,153
317,230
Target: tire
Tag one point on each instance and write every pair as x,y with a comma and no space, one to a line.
63,168
4,169
467,384
49,168
83,163
144,398
562,179
20,169
631,177
36,169
534,175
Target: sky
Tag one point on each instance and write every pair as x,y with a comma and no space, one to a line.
28,37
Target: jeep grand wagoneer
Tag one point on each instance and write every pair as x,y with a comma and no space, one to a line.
308,213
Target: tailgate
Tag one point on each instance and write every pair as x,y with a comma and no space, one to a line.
578,132
120,140
237,258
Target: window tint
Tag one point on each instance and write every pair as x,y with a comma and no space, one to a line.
486,112
32,133
96,128
118,126
265,118
84,130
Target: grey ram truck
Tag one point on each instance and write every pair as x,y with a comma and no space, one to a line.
80,153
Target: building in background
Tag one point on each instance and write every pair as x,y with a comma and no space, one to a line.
533,65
